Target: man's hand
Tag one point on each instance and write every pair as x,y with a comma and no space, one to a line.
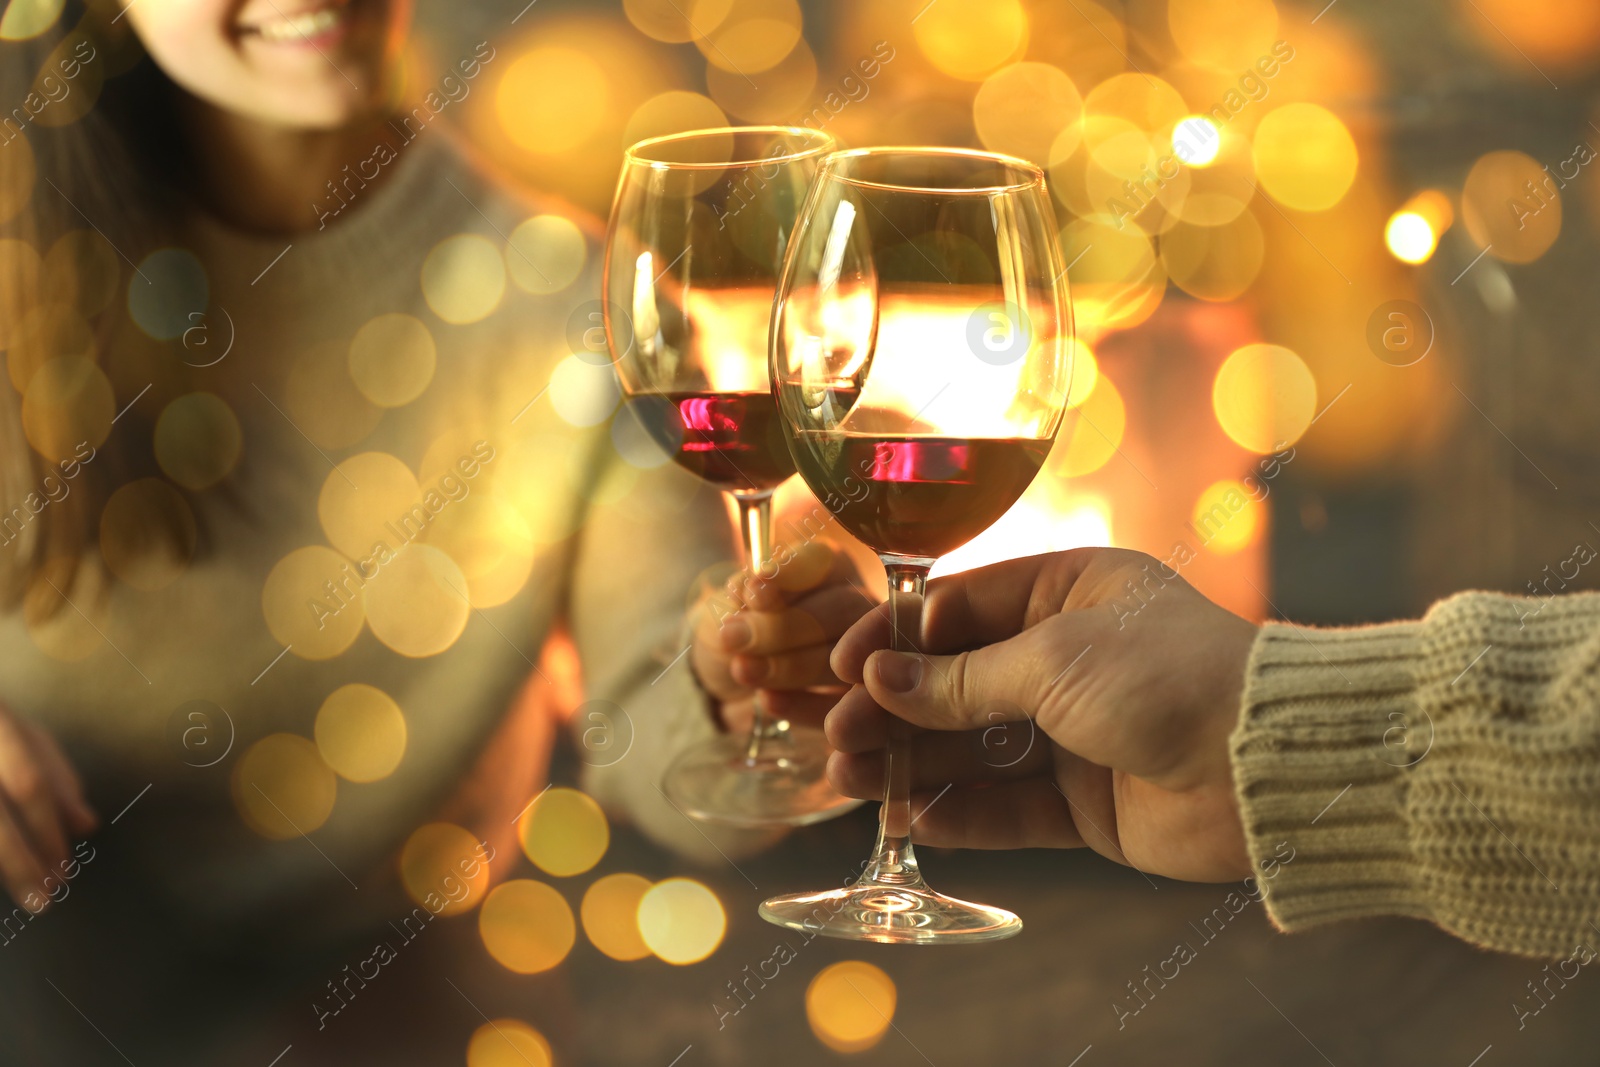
1119,702
768,638
41,801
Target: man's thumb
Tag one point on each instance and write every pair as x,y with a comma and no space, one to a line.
974,689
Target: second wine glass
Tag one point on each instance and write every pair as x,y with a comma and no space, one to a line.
696,240
919,354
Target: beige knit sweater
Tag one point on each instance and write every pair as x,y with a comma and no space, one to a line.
1447,769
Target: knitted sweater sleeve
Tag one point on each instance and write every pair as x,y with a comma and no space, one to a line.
1447,769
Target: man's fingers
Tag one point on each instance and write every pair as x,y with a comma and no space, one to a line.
994,684
64,782
26,786
856,723
938,760
868,634
1024,814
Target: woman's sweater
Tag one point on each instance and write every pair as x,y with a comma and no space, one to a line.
1447,769
566,516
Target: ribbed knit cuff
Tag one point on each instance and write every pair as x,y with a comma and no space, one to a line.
1328,730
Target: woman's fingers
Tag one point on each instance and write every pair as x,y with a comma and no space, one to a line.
64,782
793,572
27,789
815,619
22,871
1031,813
790,670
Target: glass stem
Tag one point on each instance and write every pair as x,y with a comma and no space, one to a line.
894,862
755,529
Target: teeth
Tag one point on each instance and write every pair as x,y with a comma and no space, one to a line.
300,27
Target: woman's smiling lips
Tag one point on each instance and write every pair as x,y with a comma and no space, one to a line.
314,27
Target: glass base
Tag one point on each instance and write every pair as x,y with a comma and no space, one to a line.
784,785
892,914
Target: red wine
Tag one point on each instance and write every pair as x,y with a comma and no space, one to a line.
916,496
732,440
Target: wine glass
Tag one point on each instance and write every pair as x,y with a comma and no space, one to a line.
920,347
696,240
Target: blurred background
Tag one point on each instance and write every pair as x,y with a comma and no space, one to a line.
1329,266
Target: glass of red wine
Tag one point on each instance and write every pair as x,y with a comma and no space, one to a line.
696,240
920,347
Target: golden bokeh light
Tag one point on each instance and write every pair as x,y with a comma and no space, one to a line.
1097,424
610,914
417,602
392,359
1196,140
1409,237
17,189
1083,38
1226,35
564,832
681,920
147,534
322,400
1435,207
527,926
66,632
1226,517
361,733
675,111
21,267
71,107
368,500
44,332
24,19
1115,275
583,393
1559,33
1214,262
676,21
281,787
1264,397
850,1005
490,541
508,1043
1022,109
463,278
753,37
785,90
82,269
1511,206
541,492
1305,157
970,39
546,254
551,99
198,440
442,868
1085,372
1148,103
312,602
68,402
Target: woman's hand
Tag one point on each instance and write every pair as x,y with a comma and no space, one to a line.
1120,683
768,637
41,802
